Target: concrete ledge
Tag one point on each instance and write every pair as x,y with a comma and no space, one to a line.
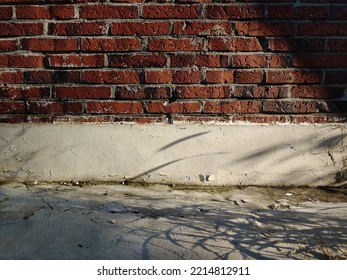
263,155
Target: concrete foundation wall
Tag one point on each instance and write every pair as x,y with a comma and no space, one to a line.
278,155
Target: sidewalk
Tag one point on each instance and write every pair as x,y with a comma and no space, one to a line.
74,221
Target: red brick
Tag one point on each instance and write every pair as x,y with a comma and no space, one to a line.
11,77
148,92
5,13
76,61
24,61
142,28
317,92
73,107
202,92
158,76
219,76
10,93
301,12
67,76
264,29
201,60
12,107
234,44
39,77
33,12
114,107
248,77
78,28
333,44
268,119
62,11
232,107
297,107
339,77
187,77
111,76
322,29
82,92
171,11
296,45
202,28
49,44
259,61
319,60
175,107
234,11
8,45
176,44
293,77
20,29
106,11
252,92
36,92
111,44
37,107
137,60
338,12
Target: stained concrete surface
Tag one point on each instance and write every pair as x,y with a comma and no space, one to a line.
80,221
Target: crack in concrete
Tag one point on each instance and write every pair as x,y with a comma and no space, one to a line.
39,196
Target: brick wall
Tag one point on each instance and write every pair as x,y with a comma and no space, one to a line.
166,61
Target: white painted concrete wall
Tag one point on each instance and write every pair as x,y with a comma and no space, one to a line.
248,154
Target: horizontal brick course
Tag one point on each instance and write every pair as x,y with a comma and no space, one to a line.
166,61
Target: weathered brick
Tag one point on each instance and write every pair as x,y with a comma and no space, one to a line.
293,76
105,11
317,92
14,29
299,12
235,11
12,107
248,77
158,76
171,11
202,92
175,107
49,44
82,92
137,60
6,13
76,61
140,28
297,107
111,77
8,45
176,44
234,44
78,28
24,61
265,29
264,92
114,107
202,28
13,77
219,76
232,107
39,107
260,61
111,44
200,60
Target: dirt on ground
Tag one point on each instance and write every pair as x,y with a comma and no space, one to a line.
73,220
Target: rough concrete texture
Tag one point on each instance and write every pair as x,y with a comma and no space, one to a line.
263,155
74,221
